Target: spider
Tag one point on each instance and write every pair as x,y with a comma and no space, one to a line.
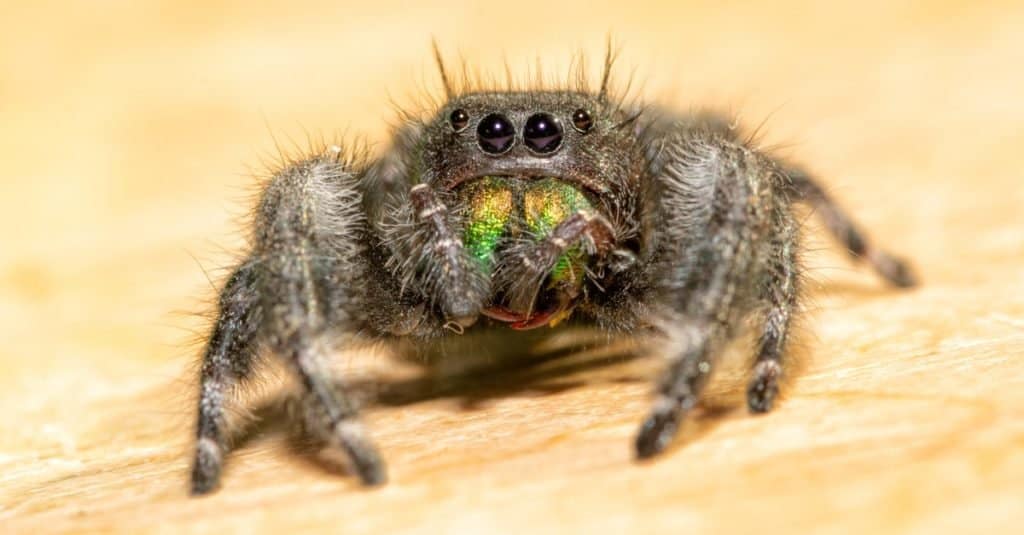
521,209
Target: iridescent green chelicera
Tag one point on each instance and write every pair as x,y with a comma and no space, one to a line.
546,203
490,208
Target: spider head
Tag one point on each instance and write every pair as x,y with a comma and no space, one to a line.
518,164
577,137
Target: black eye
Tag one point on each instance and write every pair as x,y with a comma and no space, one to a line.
495,133
542,133
581,121
459,119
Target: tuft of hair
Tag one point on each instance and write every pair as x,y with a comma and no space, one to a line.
441,68
465,79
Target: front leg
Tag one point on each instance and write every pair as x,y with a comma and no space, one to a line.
307,287
702,268
227,361
315,291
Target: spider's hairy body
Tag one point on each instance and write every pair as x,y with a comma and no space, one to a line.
521,209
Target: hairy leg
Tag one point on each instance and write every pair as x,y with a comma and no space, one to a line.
723,240
690,366
312,275
702,270
841,225
780,289
228,359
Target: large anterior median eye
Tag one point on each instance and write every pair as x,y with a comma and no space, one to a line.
495,133
542,133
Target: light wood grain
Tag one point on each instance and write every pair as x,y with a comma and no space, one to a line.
126,130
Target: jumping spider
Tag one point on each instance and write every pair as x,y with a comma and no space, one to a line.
522,209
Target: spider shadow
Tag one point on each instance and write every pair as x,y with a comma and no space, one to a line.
473,370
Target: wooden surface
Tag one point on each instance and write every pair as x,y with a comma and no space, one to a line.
126,133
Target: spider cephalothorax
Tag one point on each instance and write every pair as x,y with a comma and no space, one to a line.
521,209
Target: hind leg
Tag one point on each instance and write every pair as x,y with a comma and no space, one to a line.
842,226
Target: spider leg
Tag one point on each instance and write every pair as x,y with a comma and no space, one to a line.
313,287
228,360
779,292
305,287
714,199
842,226
696,338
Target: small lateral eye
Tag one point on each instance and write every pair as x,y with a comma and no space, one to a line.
459,119
581,121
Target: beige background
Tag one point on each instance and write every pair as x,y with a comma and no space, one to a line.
127,135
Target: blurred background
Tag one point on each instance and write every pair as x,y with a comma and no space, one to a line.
130,133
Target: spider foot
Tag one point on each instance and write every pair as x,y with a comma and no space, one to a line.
658,430
362,455
207,467
764,387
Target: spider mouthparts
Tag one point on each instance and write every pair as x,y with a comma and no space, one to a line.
503,314
538,319
523,322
